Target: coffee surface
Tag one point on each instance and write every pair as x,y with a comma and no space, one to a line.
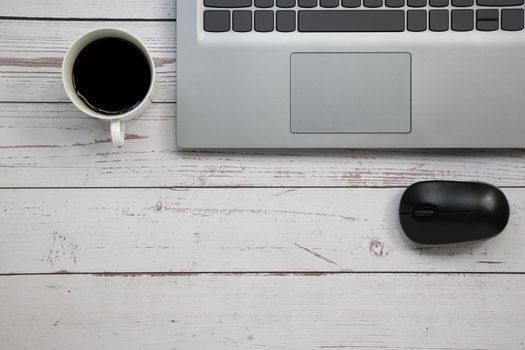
112,76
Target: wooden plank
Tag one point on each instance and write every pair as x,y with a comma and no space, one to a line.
246,230
115,9
31,54
54,145
345,311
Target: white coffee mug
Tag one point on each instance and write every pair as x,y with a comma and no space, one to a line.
117,121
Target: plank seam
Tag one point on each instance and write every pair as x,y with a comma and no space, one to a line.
214,187
69,103
87,19
258,273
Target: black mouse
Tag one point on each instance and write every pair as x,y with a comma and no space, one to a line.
440,212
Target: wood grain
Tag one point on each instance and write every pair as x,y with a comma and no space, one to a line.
30,69
71,9
346,311
326,249
54,145
31,54
246,230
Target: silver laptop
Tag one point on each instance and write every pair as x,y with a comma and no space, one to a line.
350,73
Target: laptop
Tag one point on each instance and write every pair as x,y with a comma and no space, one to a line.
350,74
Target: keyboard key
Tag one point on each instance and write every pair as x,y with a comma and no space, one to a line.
512,20
264,21
329,3
395,3
499,3
417,20
285,21
307,3
242,21
439,3
438,20
263,3
462,20
351,3
352,21
417,3
487,20
372,3
285,3
228,3
217,21
462,3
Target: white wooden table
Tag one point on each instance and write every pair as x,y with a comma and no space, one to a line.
146,247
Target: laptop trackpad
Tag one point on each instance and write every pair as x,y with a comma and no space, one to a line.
351,93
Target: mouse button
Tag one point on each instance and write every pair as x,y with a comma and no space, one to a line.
421,232
410,200
493,220
411,196
456,196
425,193
467,226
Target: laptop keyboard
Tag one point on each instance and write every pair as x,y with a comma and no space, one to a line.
362,15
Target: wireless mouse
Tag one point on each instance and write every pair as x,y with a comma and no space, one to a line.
440,212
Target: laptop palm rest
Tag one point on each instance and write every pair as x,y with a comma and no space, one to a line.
351,93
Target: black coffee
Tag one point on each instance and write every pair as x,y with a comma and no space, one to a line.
112,76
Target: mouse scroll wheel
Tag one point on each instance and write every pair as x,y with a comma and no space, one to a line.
425,212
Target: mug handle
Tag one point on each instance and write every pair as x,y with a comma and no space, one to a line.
118,132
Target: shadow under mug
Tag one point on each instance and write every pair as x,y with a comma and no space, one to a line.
118,128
